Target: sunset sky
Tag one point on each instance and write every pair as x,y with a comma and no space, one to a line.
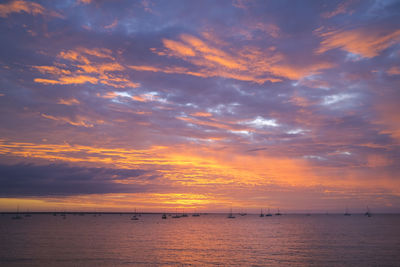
158,105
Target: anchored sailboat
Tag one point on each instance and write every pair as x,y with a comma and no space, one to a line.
278,213
134,217
261,214
176,215
230,215
17,216
367,213
268,214
347,212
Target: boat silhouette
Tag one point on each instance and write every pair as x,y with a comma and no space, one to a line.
261,214
347,212
278,213
367,213
268,214
176,216
134,217
17,216
230,215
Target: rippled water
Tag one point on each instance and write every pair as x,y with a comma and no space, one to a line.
115,240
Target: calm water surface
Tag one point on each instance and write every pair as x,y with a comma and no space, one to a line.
114,240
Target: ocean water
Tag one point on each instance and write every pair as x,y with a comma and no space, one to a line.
115,240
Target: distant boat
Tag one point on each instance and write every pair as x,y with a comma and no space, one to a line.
278,213
230,215
196,214
164,216
268,214
367,213
184,214
347,212
176,216
261,214
17,216
28,214
134,217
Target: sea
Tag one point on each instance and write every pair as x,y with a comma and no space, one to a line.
207,240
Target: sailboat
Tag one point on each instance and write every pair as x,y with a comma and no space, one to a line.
261,214
176,216
134,217
28,214
367,213
183,213
230,216
347,212
17,216
268,214
196,214
164,216
278,213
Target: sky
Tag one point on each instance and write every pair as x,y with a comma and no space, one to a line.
200,105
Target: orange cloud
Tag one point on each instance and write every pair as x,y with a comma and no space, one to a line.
365,42
178,48
201,114
52,70
97,52
388,111
210,122
109,95
394,70
24,6
139,98
68,102
342,8
83,61
80,79
245,64
112,25
79,121
84,1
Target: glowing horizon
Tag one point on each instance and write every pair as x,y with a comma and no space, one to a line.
158,106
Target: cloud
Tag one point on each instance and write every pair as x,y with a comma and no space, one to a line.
95,65
68,102
112,25
201,114
78,79
65,180
78,121
84,2
245,64
26,7
393,70
342,8
365,42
